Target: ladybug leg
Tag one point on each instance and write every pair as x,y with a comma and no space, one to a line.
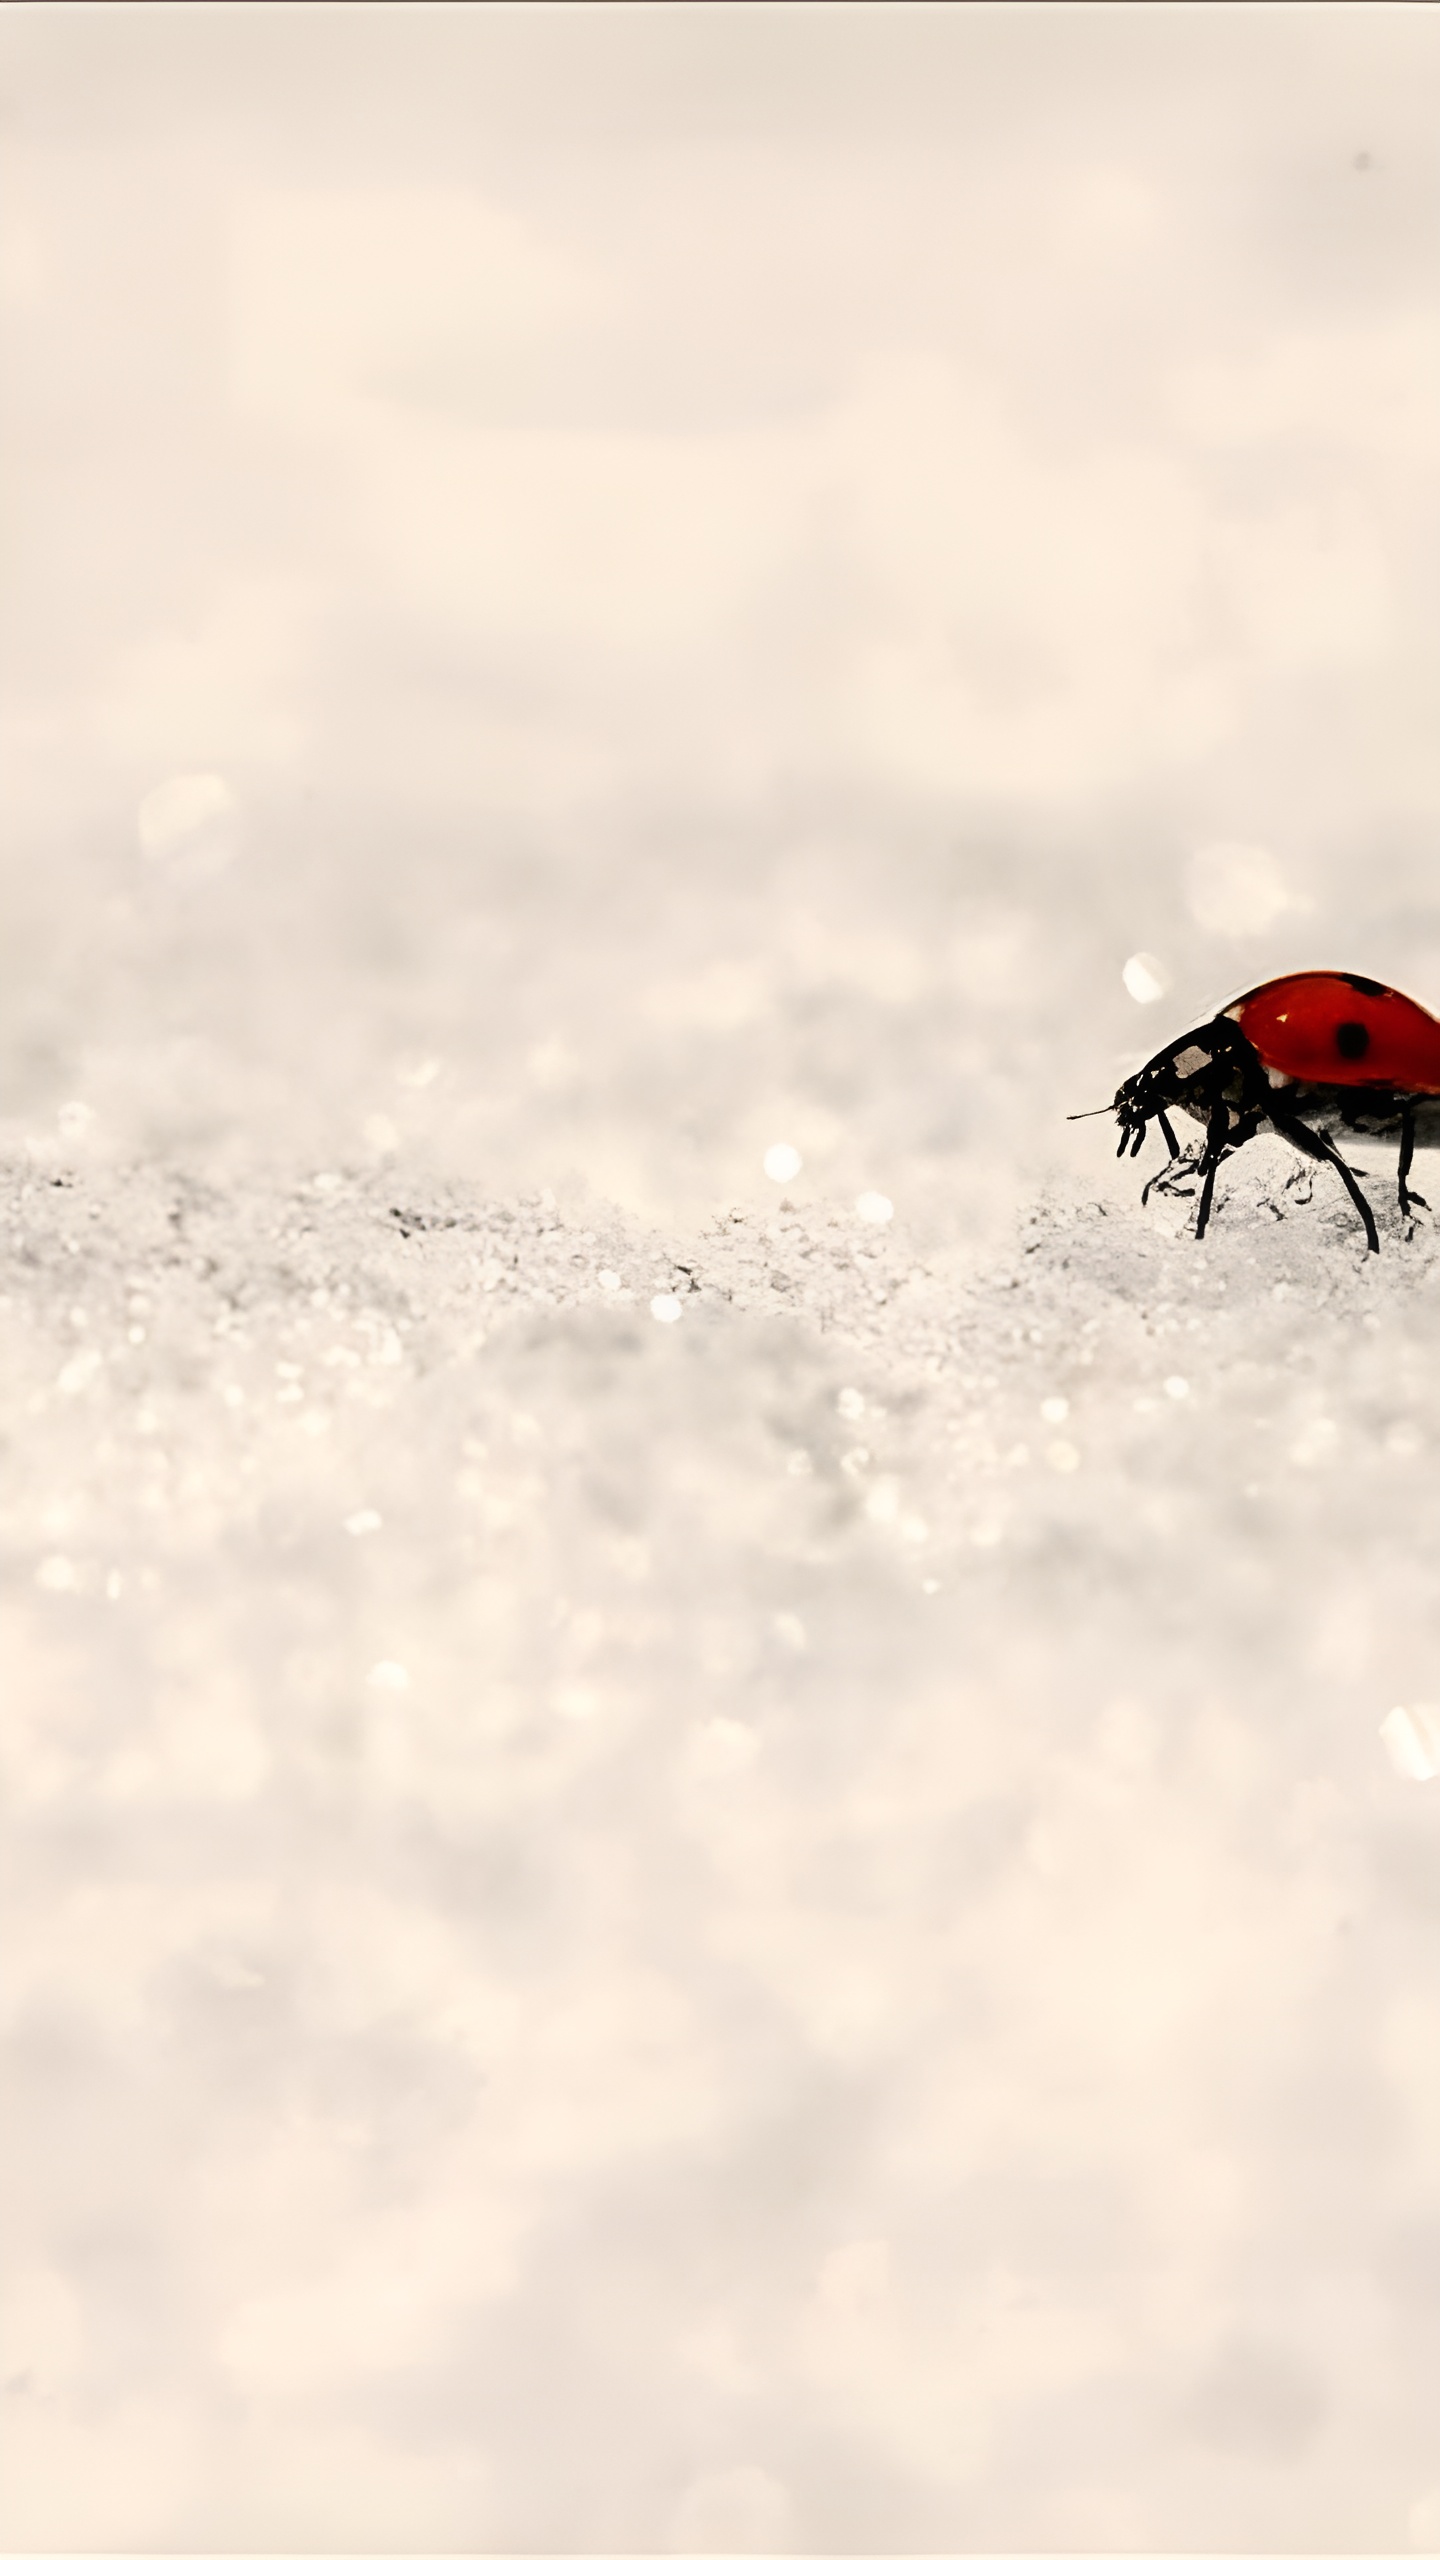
1215,1137
1408,1199
1310,1143
1168,1180
1163,1180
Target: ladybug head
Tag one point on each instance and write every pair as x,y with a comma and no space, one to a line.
1195,1072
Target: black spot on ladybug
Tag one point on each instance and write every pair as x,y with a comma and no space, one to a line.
1363,987
1351,1039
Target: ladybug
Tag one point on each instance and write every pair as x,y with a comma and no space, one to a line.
1313,1055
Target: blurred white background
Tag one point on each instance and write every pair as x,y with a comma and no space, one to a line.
664,520
723,1933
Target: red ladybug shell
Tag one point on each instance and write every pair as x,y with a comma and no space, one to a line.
1324,1028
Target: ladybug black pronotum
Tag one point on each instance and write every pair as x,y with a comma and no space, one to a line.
1313,1056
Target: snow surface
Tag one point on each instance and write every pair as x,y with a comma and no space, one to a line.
783,1927
708,1858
